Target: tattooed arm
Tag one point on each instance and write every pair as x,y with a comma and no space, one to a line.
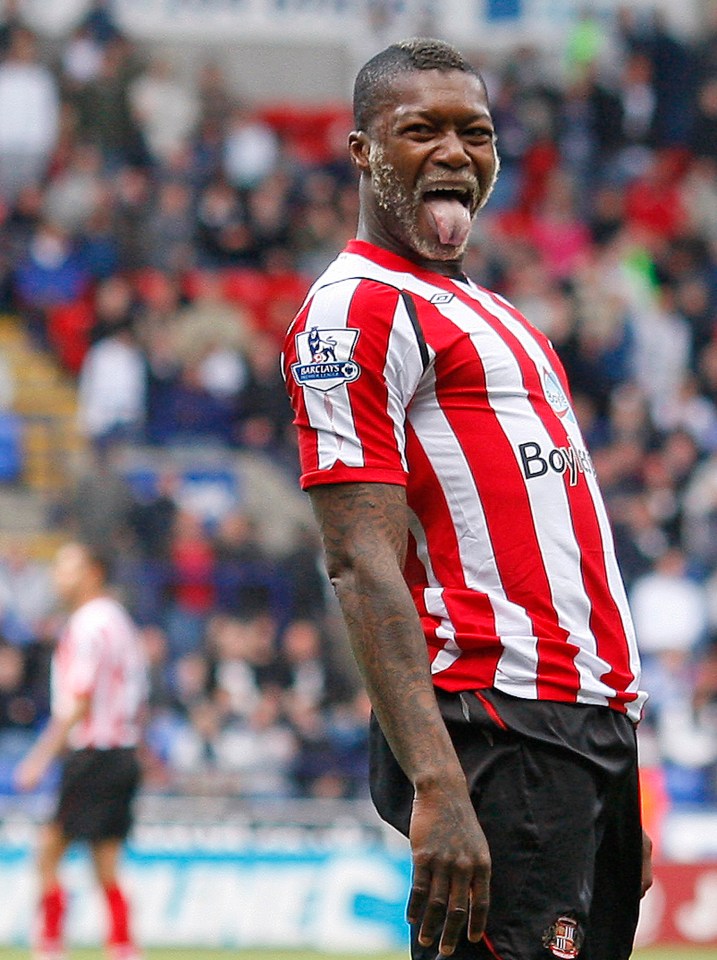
364,528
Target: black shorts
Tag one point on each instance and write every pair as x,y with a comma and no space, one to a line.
555,787
97,788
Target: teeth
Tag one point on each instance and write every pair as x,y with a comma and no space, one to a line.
460,191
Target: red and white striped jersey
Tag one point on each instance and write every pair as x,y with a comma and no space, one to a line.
400,375
99,656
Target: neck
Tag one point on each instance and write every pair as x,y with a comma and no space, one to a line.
84,596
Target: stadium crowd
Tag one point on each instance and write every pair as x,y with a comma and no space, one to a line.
157,233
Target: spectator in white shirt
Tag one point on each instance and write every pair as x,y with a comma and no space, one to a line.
112,388
29,115
165,109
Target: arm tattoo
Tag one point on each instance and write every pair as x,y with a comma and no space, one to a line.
364,528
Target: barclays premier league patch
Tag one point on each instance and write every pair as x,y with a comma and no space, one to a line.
325,358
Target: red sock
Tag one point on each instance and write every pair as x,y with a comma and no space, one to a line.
118,915
52,913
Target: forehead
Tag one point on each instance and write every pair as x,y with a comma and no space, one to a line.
439,92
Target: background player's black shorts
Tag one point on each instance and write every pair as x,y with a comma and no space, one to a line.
556,791
97,788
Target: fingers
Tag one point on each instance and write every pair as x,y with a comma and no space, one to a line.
444,906
478,916
434,915
420,892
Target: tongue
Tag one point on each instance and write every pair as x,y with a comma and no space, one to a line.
451,220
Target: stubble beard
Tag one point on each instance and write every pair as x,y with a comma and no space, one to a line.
403,207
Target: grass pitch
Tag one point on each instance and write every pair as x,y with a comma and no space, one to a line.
172,953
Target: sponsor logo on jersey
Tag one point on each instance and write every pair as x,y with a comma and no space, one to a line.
555,395
537,461
564,938
441,298
325,358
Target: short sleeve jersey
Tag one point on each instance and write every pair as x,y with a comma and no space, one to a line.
400,375
99,656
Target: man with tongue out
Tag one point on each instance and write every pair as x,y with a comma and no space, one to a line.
467,543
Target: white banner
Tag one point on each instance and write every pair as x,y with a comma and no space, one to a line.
328,900
349,22
316,896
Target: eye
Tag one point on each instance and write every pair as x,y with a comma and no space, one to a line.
479,134
418,130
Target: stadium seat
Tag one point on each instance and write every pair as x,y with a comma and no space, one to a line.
11,452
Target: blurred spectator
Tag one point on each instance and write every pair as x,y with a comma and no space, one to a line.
668,607
112,388
191,585
303,567
700,511
215,99
26,588
29,114
81,59
332,754
132,188
104,115
99,507
223,235
564,241
51,273
190,681
264,416
18,710
218,752
704,130
99,22
10,23
268,215
165,109
156,652
311,675
74,194
170,228
247,665
251,150
685,727
153,518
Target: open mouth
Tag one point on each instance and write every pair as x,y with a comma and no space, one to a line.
450,209
463,195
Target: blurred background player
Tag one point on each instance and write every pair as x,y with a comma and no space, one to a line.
98,691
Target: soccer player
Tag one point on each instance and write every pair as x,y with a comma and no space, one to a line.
98,689
469,548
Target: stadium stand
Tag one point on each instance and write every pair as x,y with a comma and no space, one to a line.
150,260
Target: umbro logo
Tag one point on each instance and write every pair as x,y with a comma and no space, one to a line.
441,298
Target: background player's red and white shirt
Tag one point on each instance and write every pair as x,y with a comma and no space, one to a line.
99,656
399,375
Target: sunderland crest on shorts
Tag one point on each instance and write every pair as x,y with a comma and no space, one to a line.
564,938
325,358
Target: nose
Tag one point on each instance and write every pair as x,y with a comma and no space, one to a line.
452,151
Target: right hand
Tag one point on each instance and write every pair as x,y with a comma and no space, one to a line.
451,868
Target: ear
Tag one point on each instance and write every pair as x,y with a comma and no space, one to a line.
359,147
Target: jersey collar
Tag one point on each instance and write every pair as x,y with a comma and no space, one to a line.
392,261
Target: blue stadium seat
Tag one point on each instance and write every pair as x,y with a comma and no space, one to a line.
11,452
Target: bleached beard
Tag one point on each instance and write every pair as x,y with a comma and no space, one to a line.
403,207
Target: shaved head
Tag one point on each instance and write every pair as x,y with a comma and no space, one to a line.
373,83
